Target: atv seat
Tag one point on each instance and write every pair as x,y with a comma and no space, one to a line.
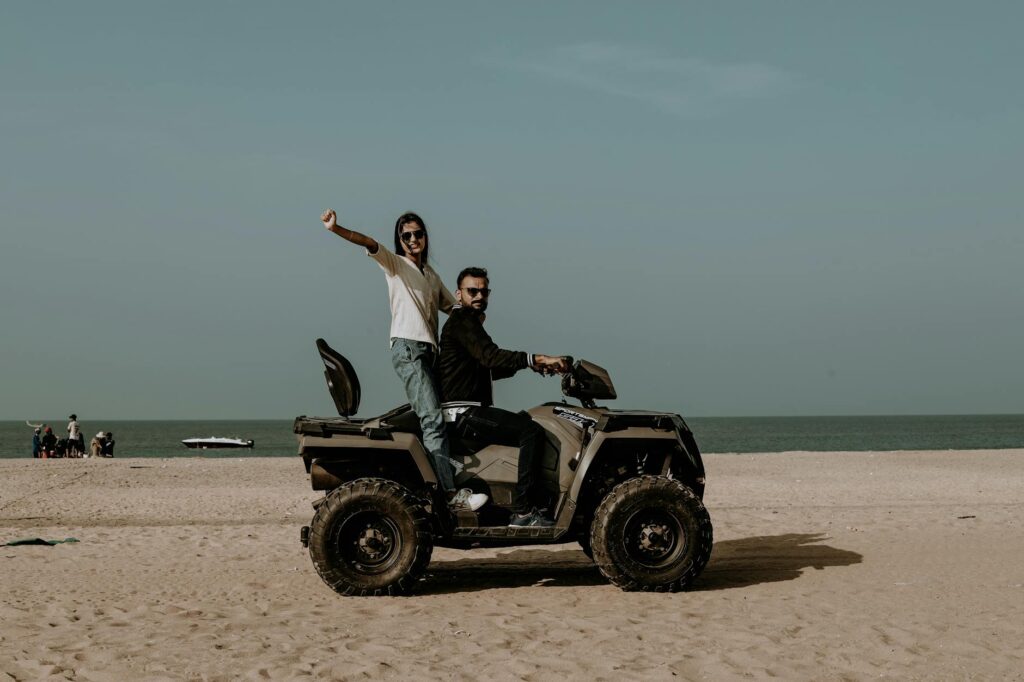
343,384
341,377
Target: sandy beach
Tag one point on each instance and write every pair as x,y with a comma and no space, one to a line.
904,565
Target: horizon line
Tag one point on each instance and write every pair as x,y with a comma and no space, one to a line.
740,416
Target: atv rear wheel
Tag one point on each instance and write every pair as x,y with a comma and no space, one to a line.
370,537
651,533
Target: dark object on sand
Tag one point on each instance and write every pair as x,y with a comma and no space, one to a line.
626,484
216,443
37,541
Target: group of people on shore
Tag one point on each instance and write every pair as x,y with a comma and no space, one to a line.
46,444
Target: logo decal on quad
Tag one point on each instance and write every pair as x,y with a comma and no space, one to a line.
580,420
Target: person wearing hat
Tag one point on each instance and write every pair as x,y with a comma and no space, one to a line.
74,437
49,443
96,446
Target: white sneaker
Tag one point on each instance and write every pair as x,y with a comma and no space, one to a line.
477,500
467,498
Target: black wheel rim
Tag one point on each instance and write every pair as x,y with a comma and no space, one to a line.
369,542
654,538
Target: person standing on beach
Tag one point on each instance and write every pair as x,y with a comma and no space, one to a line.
415,293
37,443
74,450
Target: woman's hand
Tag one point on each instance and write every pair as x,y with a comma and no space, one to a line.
329,219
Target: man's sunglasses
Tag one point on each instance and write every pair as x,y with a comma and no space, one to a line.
473,292
411,234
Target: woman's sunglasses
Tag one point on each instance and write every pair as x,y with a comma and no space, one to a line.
412,234
474,292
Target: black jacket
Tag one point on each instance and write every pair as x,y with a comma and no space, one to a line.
469,359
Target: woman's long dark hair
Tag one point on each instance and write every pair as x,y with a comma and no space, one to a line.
404,220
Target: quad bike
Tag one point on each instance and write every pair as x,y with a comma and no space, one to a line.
626,485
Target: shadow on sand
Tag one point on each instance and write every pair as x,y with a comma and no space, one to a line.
734,563
518,568
769,559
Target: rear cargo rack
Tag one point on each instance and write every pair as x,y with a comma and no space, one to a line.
325,427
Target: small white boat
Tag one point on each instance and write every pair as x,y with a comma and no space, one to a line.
216,443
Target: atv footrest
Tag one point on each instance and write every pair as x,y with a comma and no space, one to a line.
507,532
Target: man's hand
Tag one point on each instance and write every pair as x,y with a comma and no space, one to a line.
329,219
548,364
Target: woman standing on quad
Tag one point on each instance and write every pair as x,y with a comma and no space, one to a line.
416,293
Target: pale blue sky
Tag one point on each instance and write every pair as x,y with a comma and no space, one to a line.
752,209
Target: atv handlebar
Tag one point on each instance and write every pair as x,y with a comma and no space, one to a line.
548,371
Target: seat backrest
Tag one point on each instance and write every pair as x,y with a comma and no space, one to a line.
341,379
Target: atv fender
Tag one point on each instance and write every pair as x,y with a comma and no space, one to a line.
341,458
662,446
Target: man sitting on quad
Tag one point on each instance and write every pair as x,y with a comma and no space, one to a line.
468,362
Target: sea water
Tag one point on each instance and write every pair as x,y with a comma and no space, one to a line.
274,438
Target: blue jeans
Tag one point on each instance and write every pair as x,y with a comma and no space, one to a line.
414,363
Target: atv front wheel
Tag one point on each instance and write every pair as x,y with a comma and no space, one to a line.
370,537
651,533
